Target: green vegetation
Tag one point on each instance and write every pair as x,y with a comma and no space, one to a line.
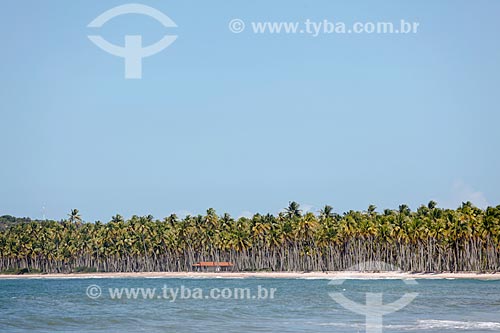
428,240
7,221
20,271
85,270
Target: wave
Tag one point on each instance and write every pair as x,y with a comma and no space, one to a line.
425,325
351,278
457,325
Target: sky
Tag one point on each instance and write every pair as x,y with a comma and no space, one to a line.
246,122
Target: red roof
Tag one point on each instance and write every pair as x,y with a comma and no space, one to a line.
213,264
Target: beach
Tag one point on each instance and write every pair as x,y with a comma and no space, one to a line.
267,275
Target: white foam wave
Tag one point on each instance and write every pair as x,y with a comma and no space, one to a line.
457,325
426,325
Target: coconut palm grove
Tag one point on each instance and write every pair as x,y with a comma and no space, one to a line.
430,239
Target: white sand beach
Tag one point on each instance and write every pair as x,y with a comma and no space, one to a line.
278,275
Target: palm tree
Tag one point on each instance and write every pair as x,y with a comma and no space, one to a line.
371,209
432,204
117,218
404,210
74,216
293,210
326,212
431,239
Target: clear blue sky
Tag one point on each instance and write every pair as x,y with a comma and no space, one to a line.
243,122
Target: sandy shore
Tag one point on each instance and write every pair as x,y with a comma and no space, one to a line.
284,275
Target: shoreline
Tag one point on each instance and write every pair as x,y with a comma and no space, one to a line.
270,275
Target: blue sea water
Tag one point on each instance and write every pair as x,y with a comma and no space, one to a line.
299,305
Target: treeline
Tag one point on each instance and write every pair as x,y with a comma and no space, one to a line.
429,239
7,221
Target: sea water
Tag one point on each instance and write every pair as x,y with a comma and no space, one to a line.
297,305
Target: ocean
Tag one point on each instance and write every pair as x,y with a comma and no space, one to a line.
246,305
